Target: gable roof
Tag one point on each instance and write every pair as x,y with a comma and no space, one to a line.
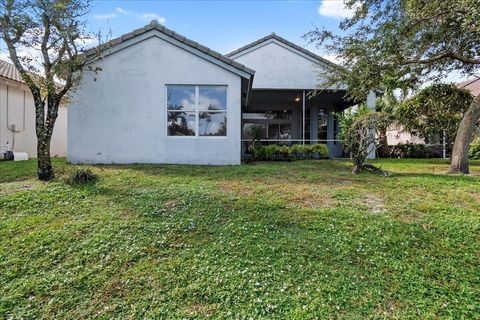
274,36
8,71
472,85
154,25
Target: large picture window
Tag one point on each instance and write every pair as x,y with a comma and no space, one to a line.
196,110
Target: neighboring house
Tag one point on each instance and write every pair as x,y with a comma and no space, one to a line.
162,98
397,135
472,85
17,117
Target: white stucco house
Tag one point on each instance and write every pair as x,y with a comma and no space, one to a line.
162,98
17,117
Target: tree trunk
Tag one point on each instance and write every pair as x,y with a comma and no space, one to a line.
383,150
44,130
45,169
459,158
357,166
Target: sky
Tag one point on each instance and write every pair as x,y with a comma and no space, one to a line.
222,25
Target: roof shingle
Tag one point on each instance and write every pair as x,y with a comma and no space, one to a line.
8,70
154,25
284,41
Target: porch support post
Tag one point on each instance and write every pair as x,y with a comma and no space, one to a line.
313,124
330,132
303,117
371,102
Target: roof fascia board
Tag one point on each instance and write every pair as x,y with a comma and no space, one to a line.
13,83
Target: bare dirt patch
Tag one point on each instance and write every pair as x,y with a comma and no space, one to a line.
201,309
170,204
374,204
307,196
7,188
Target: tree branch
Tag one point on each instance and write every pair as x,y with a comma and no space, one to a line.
446,55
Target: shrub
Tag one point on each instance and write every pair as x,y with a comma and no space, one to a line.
272,152
256,151
269,151
81,176
298,148
474,150
320,148
360,138
410,150
284,151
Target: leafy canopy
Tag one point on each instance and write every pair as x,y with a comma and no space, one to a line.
435,109
46,41
401,44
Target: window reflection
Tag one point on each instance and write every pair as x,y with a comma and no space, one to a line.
181,98
212,124
212,98
188,106
181,123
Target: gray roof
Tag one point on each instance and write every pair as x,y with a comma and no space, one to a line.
288,43
154,25
8,71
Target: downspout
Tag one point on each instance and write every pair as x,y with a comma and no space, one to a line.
303,117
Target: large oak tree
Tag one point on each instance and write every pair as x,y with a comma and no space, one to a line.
402,44
46,40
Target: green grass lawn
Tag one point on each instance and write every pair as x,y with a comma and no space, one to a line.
298,240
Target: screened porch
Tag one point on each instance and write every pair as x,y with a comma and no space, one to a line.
289,117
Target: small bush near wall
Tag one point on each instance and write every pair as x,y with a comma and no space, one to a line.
474,150
410,150
81,176
286,153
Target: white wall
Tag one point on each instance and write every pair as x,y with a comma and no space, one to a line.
396,135
278,66
121,117
17,109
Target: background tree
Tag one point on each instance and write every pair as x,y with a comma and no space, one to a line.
55,30
402,44
435,111
359,133
386,106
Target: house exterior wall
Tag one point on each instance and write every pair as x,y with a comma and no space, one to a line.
396,135
119,115
279,67
17,109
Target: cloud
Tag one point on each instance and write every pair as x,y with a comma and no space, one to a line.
332,58
147,16
153,16
121,10
334,9
105,16
5,56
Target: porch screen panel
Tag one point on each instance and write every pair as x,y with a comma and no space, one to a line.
322,125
